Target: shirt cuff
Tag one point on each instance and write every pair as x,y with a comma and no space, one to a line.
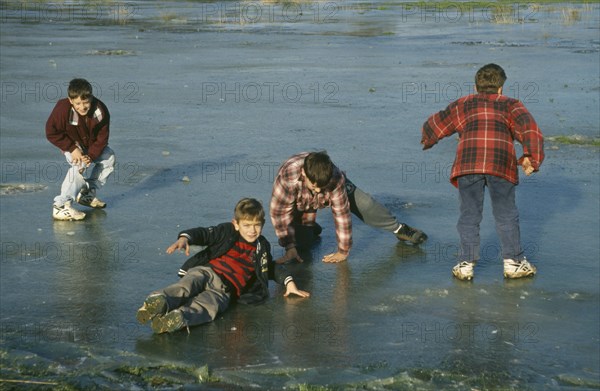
287,280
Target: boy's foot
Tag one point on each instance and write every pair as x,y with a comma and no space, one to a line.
88,198
409,234
518,269
168,323
66,212
464,270
153,305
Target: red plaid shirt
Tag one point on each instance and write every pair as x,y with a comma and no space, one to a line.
290,196
487,125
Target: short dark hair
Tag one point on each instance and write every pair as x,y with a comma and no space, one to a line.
79,88
489,78
249,209
318,168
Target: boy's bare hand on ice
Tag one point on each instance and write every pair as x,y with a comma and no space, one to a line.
180,244
527,167
292,289
335,258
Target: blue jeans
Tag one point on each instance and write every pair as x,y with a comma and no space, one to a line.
471,190
74,181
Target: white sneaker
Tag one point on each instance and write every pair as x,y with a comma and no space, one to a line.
463,270
66,212
516,269
88,198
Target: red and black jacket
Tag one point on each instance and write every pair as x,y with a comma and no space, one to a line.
218,240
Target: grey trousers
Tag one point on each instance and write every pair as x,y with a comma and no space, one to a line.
200,295
368,210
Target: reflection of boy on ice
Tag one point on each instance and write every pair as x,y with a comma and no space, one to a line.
488,123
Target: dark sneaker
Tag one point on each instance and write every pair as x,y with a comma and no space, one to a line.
153,305
409,234
168,323
88,198
464,270
518,269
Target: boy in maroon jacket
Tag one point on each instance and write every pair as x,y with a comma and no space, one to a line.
79,127
488,123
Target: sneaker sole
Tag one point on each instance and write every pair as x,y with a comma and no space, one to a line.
97,206
167,324
68,218
462,278
143,316
418,240
520,275
153,306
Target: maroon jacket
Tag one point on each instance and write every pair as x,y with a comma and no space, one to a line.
65,128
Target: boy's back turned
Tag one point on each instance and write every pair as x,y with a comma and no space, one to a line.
488,124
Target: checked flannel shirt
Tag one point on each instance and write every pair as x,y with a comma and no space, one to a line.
291,197
487,125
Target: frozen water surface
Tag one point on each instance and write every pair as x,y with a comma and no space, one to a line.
206,100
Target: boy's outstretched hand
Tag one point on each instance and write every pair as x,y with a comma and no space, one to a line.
291,288
180,244
527,167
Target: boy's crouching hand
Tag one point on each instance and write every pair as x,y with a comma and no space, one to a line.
291,288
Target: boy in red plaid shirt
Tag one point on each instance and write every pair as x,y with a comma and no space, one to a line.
488,123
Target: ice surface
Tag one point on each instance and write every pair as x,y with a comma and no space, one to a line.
207,99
